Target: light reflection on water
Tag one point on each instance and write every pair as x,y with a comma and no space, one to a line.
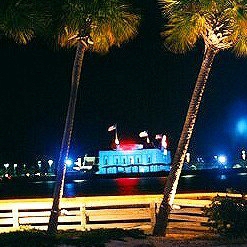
188,176
44,182
223,177
69,190
242,173
210,181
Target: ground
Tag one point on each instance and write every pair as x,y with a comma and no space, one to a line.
166,242
178,241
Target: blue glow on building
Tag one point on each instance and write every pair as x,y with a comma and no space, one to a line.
134,160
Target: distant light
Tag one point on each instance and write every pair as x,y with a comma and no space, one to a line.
236,166
141,169
50,162
243,155
68,162
187,157
222,159
242,173
164,142
6,165
188,176
242,126
78,162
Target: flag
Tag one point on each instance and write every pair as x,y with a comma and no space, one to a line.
164,142
113,127
159,136
148,141
143,134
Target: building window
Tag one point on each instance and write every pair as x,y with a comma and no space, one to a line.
131,160
138,160
149,159
124,161
105,161
116,159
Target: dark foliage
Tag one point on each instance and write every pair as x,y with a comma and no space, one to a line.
227,216
36,238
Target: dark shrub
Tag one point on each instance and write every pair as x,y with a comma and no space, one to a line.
228,216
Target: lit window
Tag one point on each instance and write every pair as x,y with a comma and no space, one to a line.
106,161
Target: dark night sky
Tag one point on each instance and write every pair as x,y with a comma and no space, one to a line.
140,86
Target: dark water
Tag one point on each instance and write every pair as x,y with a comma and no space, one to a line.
200,182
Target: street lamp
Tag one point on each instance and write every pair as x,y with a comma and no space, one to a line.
15,166
39,165
243,155
187,157
6,166
222,160
50,163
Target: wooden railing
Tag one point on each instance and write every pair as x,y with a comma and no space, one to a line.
84,213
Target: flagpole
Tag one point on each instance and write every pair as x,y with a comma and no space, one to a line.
116,136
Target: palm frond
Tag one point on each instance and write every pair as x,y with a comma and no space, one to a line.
21,20
240,46
113,22
182,32
221,23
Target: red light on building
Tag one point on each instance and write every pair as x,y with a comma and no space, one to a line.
128,145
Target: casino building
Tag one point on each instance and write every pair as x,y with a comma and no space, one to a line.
134,158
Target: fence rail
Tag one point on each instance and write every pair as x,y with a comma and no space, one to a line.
85,213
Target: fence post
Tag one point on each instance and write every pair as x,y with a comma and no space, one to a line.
153,214
83,217
15,215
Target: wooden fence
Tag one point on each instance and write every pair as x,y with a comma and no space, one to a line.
128,212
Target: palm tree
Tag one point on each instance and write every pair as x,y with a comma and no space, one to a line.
94,25
21,20
222,25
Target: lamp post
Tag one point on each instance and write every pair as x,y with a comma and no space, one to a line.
243,155
39,165
15,168
6,166
50,163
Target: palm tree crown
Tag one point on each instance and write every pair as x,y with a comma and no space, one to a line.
21,20
113,23
221,24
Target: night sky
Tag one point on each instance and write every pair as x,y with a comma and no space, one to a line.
140,86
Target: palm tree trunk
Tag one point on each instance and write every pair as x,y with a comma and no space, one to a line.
68,128
179,157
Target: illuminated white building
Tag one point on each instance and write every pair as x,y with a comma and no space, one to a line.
133,158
